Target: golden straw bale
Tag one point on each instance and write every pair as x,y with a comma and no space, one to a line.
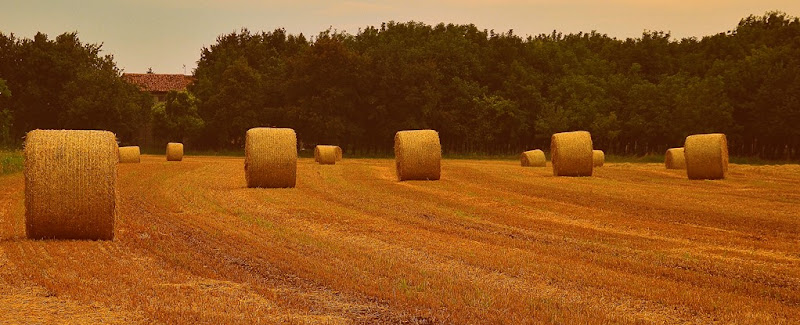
572,153
325,155
706,156
598,158
533,158
270,157
418,155
174,151
338,153
70,184
129,154
674,159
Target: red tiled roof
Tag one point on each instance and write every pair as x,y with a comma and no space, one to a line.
154,82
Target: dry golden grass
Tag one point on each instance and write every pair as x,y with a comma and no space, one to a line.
326,155
70,184
174,151
533,158
598,158
571,153
706,156
674,159
489,243
129,154
270,157
417,155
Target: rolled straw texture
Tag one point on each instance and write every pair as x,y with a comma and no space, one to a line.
70,184
706,156
674,159
174,151
325,155
533,158
572,153
418,155
598,158
270,157
129,154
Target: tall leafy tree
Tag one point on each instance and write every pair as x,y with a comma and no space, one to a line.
177,118
6,119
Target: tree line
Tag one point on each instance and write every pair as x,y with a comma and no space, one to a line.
484,91
62,83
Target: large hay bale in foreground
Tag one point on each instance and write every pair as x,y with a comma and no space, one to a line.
129,154
417,155
706,156
174,151
338,153
533,158
572,153
325,155
70,184
598,158
674,159
270,157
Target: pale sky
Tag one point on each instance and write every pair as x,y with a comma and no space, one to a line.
168,34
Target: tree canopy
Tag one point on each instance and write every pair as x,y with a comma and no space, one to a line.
484,91
493,92
65,84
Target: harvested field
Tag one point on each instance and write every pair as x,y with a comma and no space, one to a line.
488,243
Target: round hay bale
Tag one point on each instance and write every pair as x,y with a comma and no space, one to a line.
325,155
706,156
70,184
338,153
129,154
417,155
533,158
572,153
174,151
270,157
674,159
598,158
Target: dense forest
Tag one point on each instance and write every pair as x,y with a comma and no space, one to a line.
64,84
484,91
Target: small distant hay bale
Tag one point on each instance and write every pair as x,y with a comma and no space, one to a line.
418,155
270,157
598,158
674,159
129,154
572,153
70,184
338,153
174,151
533,158
325,155
706,156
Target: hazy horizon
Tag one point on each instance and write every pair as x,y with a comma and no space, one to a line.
166,35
